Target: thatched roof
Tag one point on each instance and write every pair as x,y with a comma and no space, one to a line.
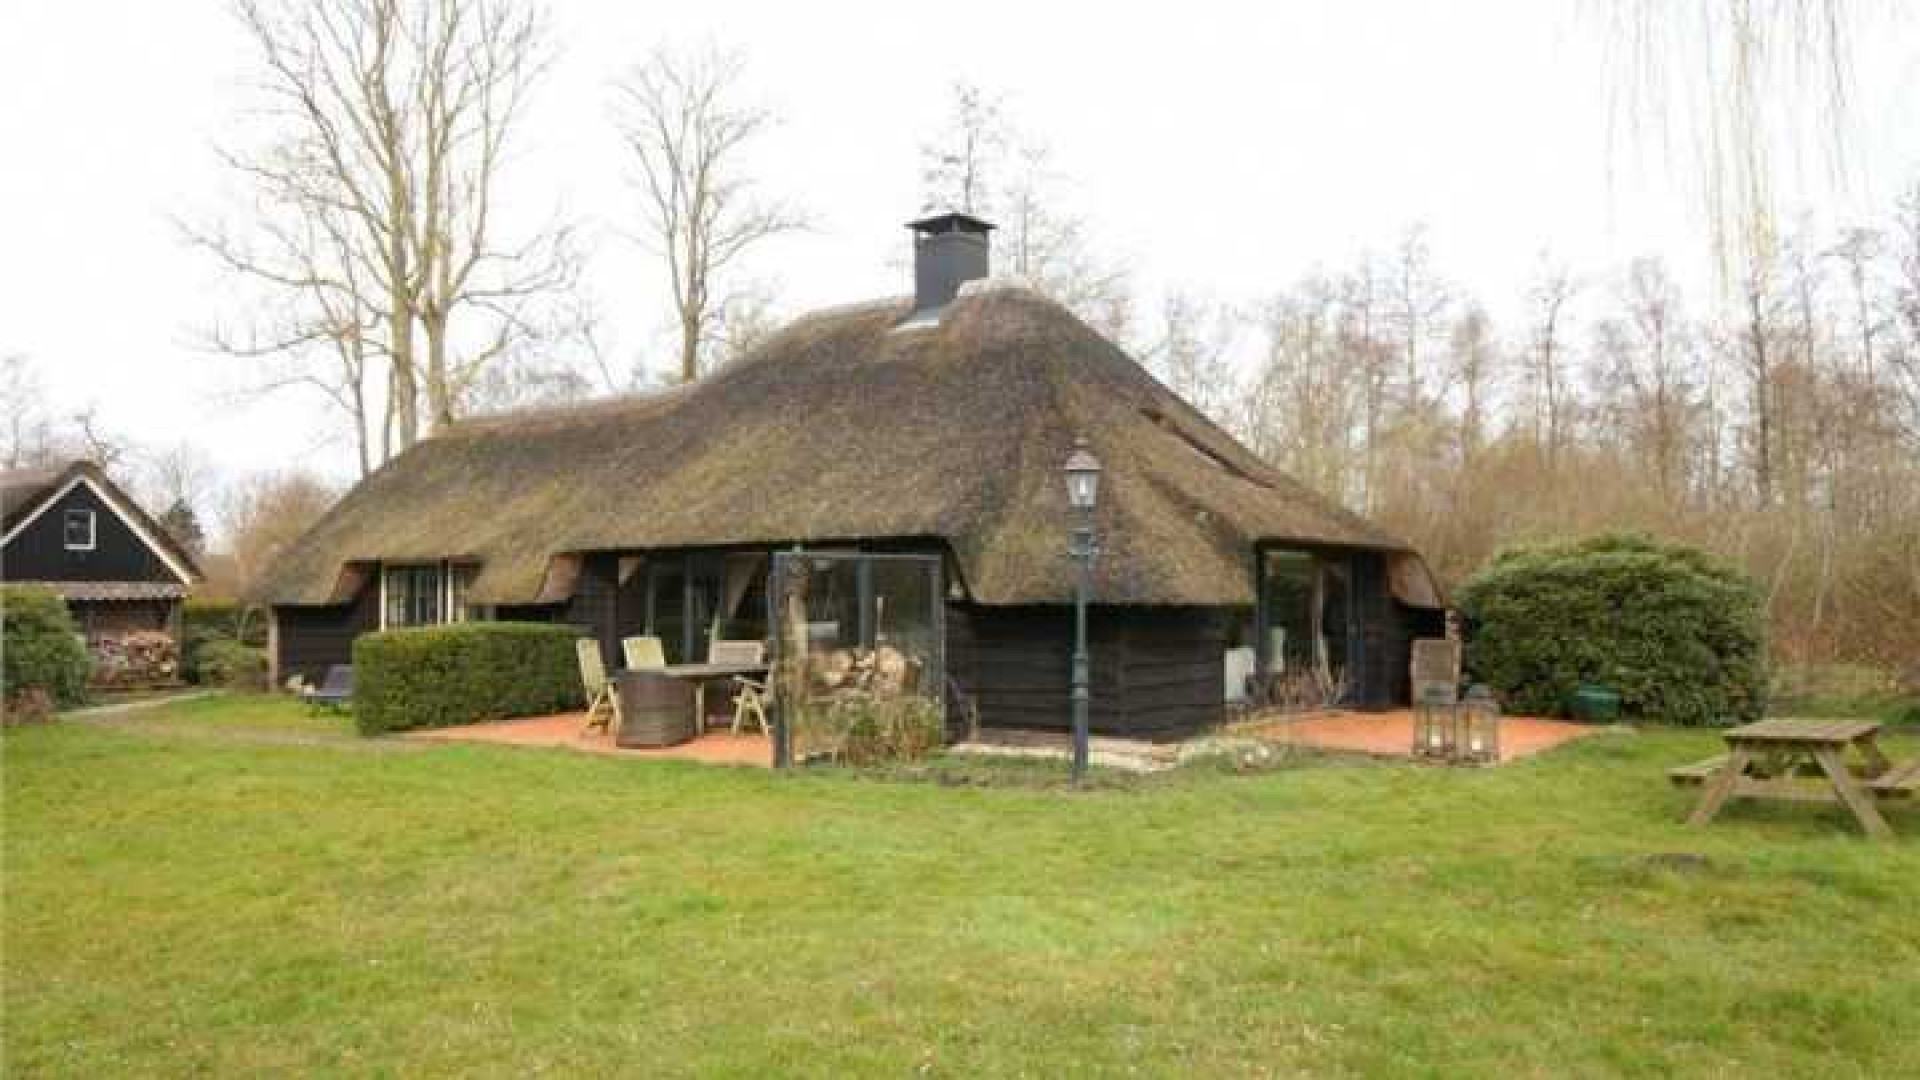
845,426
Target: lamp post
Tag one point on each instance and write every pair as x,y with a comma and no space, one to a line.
1083,492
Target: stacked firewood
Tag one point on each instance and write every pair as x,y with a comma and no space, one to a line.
135,658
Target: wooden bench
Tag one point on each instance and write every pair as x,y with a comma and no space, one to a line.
1697,773
1898,782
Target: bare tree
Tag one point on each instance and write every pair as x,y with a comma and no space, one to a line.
260,515
1302,405
1475,356
1191,355
1549,301
373,231
1417,305
30,439
984,164
1646,354
690,135
959,168
1364,349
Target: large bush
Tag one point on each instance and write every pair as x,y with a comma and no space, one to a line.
1679,635
447,675
212,629
42,648
229,663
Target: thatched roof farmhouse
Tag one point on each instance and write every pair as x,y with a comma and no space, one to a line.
936,422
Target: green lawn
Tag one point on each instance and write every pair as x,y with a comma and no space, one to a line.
230,887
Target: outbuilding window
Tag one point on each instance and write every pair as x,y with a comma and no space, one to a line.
79,530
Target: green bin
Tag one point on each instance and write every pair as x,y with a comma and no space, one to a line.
1594,704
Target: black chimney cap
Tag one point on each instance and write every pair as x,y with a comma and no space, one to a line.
949,222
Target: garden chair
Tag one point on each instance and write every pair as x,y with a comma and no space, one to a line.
643,653
334,692
603,704
750,703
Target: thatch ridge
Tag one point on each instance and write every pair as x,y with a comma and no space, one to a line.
838,428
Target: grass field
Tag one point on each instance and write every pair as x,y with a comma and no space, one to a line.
228,886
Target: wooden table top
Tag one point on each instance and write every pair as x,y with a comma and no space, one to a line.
711,671
1796,729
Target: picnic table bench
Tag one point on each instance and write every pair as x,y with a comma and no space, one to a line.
1774,758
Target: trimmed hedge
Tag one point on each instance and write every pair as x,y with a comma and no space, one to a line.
442,676
223,619
42,648
1679,635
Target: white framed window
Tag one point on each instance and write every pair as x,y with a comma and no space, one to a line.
78,528
425,594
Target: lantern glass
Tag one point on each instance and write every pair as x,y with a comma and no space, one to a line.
1435,733
1480,726
1083,477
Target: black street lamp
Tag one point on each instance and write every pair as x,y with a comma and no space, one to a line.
1083,492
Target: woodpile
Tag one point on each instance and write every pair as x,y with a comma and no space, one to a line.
135,658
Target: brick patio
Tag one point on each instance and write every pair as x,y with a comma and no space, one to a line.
1390,734
568,731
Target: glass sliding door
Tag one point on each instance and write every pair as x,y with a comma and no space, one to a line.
1306,603
687,602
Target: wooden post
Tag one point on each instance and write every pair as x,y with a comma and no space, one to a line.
273,649
1262,647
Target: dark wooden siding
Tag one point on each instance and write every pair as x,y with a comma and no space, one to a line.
1155,672
595,606
40,552
311,639
1375,632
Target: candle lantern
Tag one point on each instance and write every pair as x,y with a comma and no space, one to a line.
1435,674
1434,734
1477,732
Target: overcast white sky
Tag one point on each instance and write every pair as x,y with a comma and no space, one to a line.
1221,148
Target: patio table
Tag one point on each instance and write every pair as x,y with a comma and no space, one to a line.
1764,760
702,674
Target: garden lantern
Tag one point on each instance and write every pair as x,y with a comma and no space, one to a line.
1477,733
1434,731
1083,492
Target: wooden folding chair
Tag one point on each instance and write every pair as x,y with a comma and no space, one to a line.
643,653
750,703
603,704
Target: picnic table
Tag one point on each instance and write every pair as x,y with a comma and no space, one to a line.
1773,759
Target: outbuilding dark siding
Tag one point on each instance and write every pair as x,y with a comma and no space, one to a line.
1156,672
40,552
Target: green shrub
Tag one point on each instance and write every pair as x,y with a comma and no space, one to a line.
446,675
207,623
1679,635
42,648
226,662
